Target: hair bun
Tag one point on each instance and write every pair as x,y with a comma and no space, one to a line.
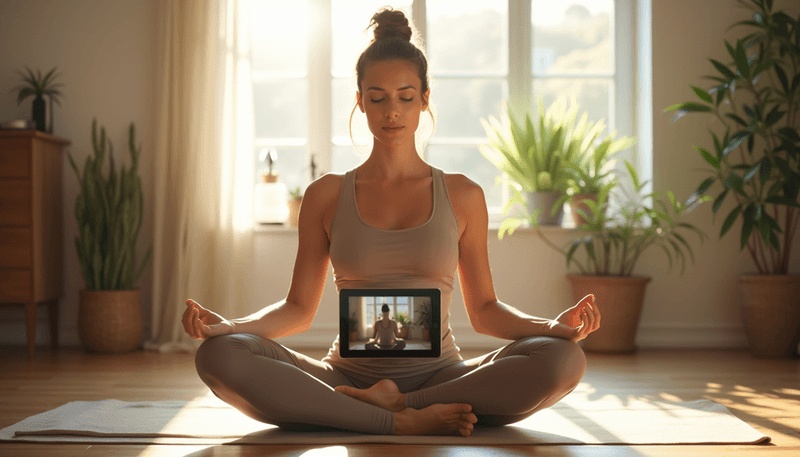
391,23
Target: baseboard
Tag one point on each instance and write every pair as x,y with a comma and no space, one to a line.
650,336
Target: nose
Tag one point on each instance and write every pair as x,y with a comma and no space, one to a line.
392,111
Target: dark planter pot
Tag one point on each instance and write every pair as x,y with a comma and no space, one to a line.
620,301
545,202
39,113
110,320
771,314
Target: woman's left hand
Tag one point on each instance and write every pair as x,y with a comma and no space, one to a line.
583,318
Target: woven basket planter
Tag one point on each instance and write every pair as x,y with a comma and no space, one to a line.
620,301
771,314
110,320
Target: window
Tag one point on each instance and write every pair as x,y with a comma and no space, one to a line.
396,305
481,52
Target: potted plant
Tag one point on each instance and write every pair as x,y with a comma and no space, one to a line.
353,326
34,84
109,215
592,165
295,200
755,158
404,322
423,312
532,156
606,249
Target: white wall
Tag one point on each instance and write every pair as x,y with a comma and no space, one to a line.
105,51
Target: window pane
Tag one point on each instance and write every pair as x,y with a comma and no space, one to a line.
467,36
463,103
575,37
281,108
291,164
402,309
592,95
279,34
346,158
349,21
343,99
470,161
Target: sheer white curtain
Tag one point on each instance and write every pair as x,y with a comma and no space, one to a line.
204,168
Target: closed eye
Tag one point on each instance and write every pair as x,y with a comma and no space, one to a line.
407,99
376,100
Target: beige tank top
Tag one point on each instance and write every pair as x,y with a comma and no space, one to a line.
421,257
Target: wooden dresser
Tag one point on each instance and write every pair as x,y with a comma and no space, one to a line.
31,225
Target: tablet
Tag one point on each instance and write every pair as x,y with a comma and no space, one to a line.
377,323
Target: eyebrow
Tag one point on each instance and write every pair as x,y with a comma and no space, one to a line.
384,90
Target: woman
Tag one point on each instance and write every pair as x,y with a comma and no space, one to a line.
386,333
392,222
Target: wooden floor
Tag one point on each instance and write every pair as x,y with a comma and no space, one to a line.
763,393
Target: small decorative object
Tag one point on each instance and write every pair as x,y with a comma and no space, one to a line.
755,157
612,246
109,214
533,156
39,86
404,322
295,200
271,196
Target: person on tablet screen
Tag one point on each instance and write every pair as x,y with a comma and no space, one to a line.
386,333
393,222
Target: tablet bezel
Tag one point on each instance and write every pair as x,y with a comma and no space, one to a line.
435,330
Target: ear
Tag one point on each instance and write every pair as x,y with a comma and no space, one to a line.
359,101
425,98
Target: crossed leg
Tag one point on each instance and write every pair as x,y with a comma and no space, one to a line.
273,384
502,387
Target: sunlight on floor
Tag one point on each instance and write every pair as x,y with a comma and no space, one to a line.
331,451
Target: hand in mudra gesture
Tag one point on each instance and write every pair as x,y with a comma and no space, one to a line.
202,324
583,318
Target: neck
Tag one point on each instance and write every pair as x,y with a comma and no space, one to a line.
393,163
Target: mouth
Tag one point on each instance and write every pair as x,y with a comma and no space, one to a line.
393,129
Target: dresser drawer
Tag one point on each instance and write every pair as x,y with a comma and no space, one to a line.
15,286
15,202
15,247
15,158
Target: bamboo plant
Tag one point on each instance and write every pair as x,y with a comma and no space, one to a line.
109,214
756,145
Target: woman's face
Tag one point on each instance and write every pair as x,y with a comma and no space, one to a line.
390,97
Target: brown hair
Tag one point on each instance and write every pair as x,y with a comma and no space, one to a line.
393,41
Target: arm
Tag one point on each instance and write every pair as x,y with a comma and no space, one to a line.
295,313
486,313
374,330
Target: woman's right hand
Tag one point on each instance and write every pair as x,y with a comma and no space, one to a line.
202,324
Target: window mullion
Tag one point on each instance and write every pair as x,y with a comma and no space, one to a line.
519,56
320,100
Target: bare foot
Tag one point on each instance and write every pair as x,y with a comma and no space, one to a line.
383,393
437,419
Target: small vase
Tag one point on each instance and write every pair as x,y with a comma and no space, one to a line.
545,202
294,211
39,113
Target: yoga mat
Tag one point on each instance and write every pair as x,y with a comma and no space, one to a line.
207,420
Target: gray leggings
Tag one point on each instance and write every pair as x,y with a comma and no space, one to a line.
276,385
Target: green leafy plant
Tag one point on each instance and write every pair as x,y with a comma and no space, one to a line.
402,319
296,194
109,215
612,245
39,86
532,154
423,313
756,145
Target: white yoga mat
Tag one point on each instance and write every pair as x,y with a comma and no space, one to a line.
207,420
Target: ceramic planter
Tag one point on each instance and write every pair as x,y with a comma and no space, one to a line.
294,211
110,320
620,300
771,314
545,202
576,203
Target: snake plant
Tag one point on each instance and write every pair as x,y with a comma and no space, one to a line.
109,214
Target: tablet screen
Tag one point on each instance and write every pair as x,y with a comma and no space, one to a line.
376,323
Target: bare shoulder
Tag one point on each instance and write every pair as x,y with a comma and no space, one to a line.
467,199
322,197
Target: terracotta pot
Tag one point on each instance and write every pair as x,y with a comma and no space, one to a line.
426,334
353,336
110,320
545,202
771,314
294,211
576,203
404,332
620,302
